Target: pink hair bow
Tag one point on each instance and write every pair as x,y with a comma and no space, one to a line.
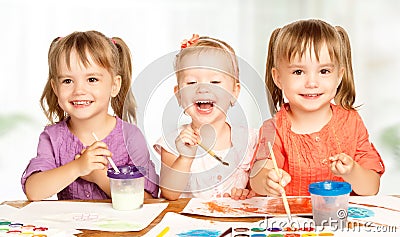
186,43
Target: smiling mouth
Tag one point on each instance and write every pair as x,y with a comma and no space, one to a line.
311,95
204,105
81,102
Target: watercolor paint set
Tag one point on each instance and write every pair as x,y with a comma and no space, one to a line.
8,228
279,227
275,232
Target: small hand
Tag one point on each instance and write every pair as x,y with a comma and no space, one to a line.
93,158
341,164
275,184
186,142
240,193
95,175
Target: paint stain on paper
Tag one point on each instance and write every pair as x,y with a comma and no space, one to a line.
200,232
119,225
298,205
359,212
214,207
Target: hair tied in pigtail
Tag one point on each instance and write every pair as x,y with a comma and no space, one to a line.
186,43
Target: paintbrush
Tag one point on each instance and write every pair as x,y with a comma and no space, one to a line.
284,198
108,158
209,151
226,232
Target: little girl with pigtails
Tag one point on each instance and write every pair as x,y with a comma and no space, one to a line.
88,73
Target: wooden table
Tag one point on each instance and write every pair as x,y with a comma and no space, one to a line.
173,206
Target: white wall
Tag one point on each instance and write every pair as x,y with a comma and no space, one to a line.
155,28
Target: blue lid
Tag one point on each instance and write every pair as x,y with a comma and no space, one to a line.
126,172
329,188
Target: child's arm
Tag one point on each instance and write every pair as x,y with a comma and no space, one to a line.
174,174
175,171
363,181
100,178
42,185
265,181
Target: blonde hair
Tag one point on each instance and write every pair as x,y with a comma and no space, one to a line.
204,45
111,53
294,39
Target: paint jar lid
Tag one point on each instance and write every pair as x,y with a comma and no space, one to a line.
329,188
126,172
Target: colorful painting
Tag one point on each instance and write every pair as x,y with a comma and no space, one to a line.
257,206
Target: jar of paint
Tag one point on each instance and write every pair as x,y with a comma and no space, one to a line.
330,200
127,187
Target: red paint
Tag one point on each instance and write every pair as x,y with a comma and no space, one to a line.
249,209
308,229
298,205
292,235
217,208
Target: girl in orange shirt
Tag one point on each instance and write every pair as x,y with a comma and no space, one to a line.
316,134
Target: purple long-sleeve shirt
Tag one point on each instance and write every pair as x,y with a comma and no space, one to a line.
58,146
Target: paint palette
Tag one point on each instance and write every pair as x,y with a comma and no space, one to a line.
275,227
8,228
255,232
277,232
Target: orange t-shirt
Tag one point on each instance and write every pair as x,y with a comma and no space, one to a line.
304,156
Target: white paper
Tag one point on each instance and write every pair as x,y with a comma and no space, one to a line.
7,212
89,215
377,201
12,214
376,210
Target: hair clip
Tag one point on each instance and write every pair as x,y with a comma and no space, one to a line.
186,43
113,41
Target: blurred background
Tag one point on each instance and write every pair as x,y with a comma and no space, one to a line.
155,28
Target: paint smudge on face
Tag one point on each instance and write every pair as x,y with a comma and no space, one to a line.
359,212
200,233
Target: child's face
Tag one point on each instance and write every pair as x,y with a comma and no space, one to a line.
307,83
84,92
206,94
